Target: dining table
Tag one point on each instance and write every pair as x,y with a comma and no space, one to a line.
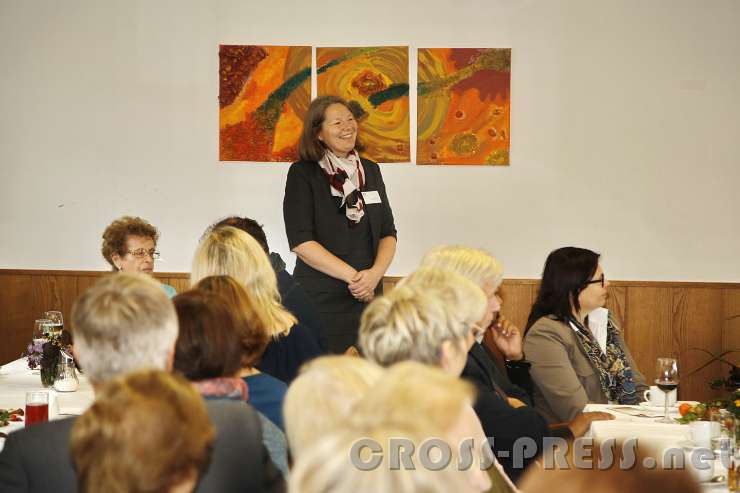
642,422
16,379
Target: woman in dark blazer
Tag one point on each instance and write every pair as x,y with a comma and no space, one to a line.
338,220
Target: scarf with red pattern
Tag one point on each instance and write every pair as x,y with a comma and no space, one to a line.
344,185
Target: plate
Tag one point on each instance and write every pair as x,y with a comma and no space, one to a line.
650,407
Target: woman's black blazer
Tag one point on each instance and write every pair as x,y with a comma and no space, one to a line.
312,213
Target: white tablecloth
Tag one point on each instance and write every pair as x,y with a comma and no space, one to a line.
659,436
16,379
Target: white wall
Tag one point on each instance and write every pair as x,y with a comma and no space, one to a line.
625,129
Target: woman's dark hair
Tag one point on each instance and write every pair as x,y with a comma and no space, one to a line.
252,334
310,148
246,224
208,344
567,272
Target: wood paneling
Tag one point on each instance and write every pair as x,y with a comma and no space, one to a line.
647,327
697,324
731,327
658,318
516,302
16,315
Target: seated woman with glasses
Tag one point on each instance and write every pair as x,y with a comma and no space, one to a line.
576,349
130,245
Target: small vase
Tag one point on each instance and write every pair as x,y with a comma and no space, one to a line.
48,375
49,363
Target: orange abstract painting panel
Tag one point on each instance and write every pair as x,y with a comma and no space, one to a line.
463,106
377,80
264,92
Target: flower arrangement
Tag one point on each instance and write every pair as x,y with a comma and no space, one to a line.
46,355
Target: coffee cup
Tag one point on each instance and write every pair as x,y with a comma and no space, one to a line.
656,397
701,433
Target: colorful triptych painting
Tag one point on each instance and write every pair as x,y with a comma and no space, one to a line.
463,106
463,101
264,92
377,81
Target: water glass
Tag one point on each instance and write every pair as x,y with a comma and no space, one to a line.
57,321
725,423
41,328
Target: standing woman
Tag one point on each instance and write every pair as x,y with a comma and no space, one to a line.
338,220
575,362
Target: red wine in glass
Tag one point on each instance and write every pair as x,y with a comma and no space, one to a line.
666,386
666,378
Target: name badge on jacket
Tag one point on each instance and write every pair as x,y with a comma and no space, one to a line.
371,197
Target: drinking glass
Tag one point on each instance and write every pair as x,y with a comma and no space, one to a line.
666,378
41,327
724,442
57,321
37,407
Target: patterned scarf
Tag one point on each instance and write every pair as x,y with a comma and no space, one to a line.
222,388
344,185
615,374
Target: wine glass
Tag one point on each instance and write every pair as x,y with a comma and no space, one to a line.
666,378
57,322
41,328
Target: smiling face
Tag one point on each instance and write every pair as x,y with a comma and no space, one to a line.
131,263
594,294
339,129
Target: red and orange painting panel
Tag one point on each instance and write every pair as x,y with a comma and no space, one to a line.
376,82
264,92
463,106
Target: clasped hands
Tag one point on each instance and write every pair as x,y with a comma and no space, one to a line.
363,284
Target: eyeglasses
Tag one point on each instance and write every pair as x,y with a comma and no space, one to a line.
141,253
600,280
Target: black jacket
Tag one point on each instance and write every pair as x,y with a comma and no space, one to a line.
294,298
312,213
37,458
499,419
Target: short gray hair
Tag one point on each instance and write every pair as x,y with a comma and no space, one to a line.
473,263
124,322
413,320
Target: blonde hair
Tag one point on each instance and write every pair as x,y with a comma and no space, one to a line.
474,264
147,431
412,401
327,467
417,397
418,316
322,398
124,322
232,252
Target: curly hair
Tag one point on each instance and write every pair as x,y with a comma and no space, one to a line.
117,232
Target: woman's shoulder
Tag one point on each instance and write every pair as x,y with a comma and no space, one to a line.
304,167
265,381
370,165
549,324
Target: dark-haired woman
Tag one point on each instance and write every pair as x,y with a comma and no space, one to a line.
338,220
576,360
